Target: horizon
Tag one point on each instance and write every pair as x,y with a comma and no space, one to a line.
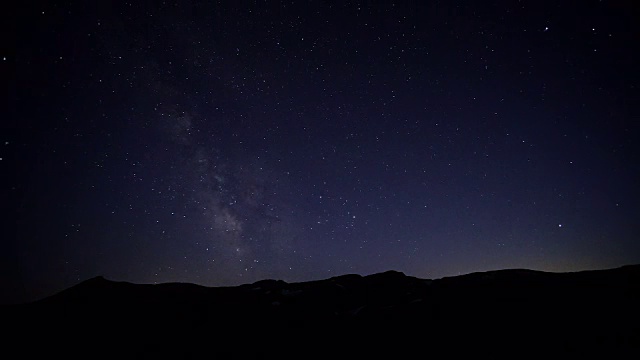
323,279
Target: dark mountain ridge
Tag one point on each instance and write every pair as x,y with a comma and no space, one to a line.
497,311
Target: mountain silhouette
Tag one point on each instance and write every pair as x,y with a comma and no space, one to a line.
515,312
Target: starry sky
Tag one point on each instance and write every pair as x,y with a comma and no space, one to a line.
225,142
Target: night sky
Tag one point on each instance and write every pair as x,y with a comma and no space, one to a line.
221,143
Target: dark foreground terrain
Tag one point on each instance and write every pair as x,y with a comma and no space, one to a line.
510,312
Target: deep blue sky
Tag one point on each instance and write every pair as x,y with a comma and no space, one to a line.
221,143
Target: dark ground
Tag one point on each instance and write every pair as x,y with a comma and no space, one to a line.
510,312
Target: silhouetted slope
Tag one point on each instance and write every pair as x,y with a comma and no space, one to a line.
496,311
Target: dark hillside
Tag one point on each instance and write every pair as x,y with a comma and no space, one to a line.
508,311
